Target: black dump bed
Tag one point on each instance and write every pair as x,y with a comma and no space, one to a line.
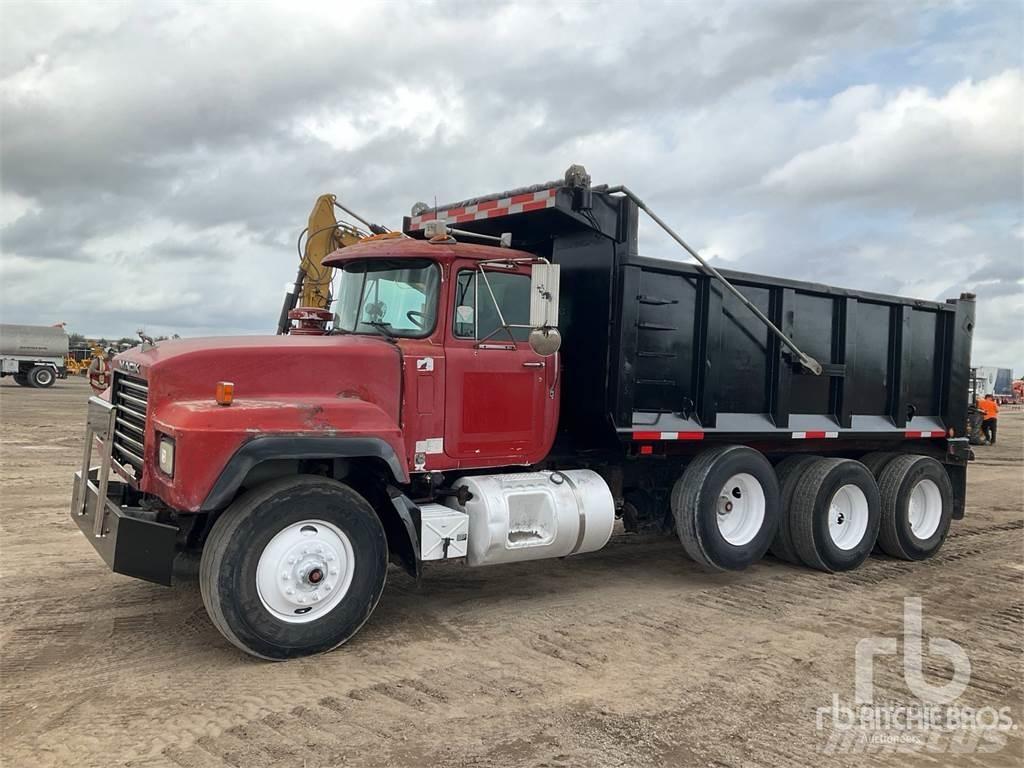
659,350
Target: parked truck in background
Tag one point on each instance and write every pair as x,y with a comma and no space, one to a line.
994,381
488,404
35,355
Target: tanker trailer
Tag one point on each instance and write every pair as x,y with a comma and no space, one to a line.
34,355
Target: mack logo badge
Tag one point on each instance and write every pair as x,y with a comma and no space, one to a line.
129,366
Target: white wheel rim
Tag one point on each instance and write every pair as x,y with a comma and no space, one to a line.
848,517
44,377
305,571
740,509
925,509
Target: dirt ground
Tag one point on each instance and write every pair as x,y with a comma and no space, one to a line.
630,656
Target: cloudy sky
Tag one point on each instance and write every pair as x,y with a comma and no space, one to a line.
158,160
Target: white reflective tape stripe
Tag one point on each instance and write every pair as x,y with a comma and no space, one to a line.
669,435
799,435
831,434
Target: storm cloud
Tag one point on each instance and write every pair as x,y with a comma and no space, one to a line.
158,160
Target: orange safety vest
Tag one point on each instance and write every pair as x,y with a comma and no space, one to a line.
989,407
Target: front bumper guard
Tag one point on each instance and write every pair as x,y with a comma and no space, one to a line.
128,538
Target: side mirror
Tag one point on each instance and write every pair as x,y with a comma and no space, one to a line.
545,341
544,282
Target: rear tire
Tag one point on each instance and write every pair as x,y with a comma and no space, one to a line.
294,567
917,507
834,515
21,379
41,377
789,471
877,461
726,507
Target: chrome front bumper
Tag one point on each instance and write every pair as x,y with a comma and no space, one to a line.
128,538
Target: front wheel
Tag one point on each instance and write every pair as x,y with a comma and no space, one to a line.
294,567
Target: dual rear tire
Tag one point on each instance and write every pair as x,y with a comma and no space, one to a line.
730,505
833,512
917,507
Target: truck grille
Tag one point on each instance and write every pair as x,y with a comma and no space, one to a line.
131,397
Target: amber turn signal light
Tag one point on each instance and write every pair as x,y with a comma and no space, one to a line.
225,392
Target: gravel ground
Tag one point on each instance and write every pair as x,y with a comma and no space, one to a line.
630,656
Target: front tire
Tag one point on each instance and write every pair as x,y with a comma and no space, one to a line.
726,507
294,567
41,377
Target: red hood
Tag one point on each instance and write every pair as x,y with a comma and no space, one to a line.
284,367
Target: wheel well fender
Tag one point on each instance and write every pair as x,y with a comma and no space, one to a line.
398,514
281,450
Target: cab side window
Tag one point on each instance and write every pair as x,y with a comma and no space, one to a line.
476,316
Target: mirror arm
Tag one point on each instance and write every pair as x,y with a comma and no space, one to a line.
497,308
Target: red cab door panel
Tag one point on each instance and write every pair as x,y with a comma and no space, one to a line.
499,403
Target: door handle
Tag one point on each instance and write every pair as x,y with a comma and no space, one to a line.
534,364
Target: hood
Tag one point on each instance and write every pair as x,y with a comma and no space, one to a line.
279,367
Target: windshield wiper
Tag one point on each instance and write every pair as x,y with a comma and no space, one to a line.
384,328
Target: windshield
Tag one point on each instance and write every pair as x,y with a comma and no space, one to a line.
393,297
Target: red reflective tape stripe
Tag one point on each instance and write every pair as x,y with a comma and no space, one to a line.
497,206
812,435
668,435
464,217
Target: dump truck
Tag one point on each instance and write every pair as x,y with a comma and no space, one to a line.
509,379
35,355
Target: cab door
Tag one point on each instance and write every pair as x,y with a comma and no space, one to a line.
499,394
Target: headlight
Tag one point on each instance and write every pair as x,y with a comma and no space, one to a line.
166,459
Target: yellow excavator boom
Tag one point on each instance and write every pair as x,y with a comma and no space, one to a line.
325,235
